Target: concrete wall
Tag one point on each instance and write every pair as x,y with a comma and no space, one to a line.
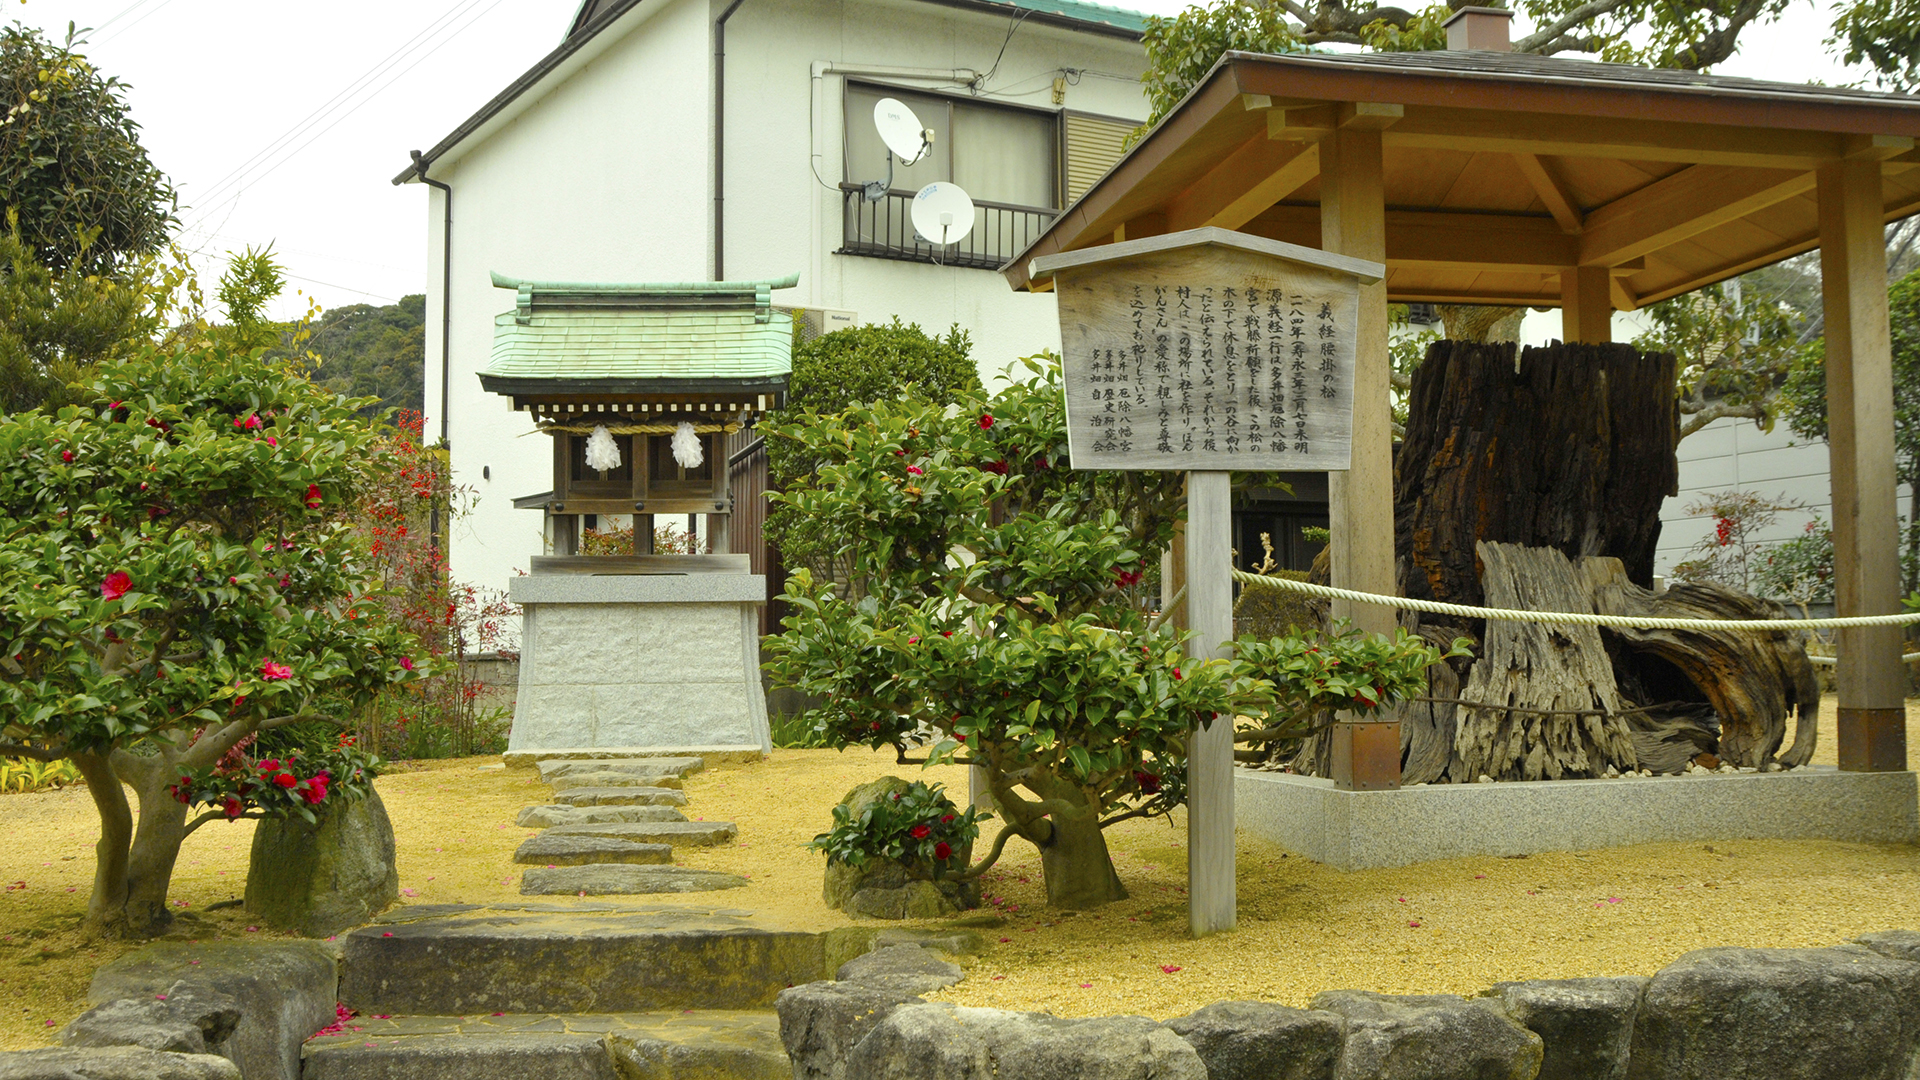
608,177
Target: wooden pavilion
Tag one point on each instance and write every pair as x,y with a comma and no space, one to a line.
1481,176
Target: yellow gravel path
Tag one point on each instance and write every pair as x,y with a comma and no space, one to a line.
1304,928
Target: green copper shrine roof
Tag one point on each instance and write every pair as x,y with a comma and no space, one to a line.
639,337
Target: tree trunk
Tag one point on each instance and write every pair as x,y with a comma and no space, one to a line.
1560,678
1078,870
106,908
1573,450
133,864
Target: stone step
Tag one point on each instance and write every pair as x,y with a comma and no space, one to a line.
660,794
665,766
583,957
711,1044
550,850
614,879
606,779
546,817
677,833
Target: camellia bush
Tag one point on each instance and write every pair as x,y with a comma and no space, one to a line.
919,827
176,579
1000,621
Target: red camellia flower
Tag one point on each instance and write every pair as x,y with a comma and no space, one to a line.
407,662
271,442
270,765
115,585
313,496
274,672
919,832
942,849
914,470
285,779
1040,463
1176,673
998,468
986,421
66,455
1149,783
1126,578
249,422
913,641
232,807
947,820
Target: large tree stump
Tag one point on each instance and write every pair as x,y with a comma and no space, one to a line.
1572,448
1547,706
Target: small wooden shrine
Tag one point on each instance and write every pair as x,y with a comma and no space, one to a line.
640,386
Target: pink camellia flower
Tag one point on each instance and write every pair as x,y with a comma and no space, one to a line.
407,662
313,496
914,470
249,422
274,672
913,641
986,421
272,443
115,585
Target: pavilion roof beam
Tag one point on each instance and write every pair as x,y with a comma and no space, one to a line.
1441,128
1557,201
1222,196
1448,240
1683,205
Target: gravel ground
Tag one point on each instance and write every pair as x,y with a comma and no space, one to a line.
1454,925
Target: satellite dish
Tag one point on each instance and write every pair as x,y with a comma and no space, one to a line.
942,213
900,130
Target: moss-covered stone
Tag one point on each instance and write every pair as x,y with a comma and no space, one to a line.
889,888
318,880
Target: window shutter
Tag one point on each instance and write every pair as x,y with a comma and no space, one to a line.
1093,145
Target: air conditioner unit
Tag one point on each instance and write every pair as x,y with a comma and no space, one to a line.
813,322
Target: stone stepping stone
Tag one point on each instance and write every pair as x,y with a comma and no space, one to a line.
605,879
529,1046
585,957
546,817
623,796
576,781
677,833
661,766
550,850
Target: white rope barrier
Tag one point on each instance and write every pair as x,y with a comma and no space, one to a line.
1829,661
1574,618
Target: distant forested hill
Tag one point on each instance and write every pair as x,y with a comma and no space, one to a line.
368,351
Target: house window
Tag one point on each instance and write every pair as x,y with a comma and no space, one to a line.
1007,159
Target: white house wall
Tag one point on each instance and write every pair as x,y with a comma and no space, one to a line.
608,176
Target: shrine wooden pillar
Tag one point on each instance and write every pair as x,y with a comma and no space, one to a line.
1353,221
1586,304
1866,560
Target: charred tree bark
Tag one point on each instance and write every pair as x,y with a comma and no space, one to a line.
1571,449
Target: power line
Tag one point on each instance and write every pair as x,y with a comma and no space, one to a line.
261,164
143,18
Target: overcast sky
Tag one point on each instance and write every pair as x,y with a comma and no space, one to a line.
283,123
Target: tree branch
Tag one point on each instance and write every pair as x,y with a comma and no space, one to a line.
981,867
14,749
1546,34
218,815
1701,416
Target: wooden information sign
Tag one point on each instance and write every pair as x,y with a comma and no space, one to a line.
1209,351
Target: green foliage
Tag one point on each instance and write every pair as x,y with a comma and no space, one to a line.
22,775
72,170
364,351
1315,675
919,827
1735,343
856,366
1182,48
796,731
56,327
1885,35
1800,570
1733,553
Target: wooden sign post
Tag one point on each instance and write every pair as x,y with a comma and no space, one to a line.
1212,352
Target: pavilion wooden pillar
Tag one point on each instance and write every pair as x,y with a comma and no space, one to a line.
1586,305
1353,221
1872,720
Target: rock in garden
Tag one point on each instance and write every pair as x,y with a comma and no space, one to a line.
113,1063
677,833
658,795
182,1019
918,966
466,1056
1779,1014
318,880
549,849
912,900
821,1022
951,1042
1585,1025
612,879
1257,1040
1897,944
1429,1037
637,1057
545,817
887,888
652,766
286,991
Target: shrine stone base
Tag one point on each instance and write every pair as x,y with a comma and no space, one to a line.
1357,830
639,664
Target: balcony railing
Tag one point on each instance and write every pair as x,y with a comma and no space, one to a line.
884,230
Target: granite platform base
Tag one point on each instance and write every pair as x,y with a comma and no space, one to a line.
737,752
1356,830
